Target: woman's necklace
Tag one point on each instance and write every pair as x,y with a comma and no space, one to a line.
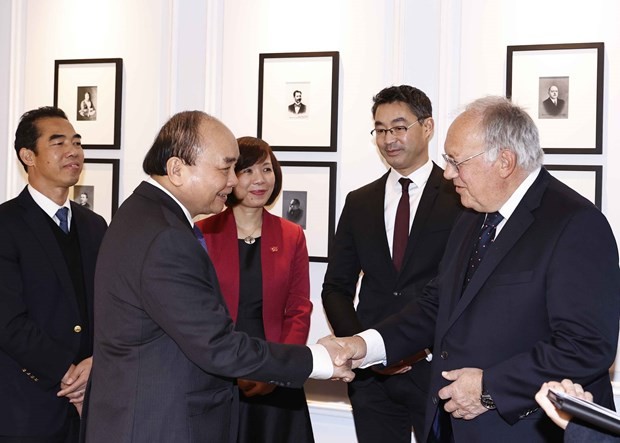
249,239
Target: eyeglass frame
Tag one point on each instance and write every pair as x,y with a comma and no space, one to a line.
452,162
391,130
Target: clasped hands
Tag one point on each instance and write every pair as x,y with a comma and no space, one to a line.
73,384
346,353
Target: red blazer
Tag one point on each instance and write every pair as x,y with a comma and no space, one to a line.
285,267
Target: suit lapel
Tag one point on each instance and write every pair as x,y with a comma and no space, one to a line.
376,221
85,234
515,227
420,219
35,219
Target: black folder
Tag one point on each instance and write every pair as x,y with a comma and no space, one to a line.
586,411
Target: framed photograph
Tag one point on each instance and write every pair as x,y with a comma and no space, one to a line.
308,198
97,188
90,92
561,86
298,101
586,180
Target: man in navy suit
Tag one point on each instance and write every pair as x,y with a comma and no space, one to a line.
48,248
387,402
543,301
166,353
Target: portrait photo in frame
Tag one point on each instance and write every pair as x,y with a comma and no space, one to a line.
99,181
587,180
561,87
90,93
298,100
308,198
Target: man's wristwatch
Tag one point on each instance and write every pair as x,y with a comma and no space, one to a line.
485,399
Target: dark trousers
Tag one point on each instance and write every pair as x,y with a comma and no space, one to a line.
69,433
385,408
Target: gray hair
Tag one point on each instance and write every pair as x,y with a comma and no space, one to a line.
508,126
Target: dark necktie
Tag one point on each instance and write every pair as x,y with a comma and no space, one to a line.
485,238
401,226
200,237
63,214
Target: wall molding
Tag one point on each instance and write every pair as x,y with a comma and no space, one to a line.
213,56
14,171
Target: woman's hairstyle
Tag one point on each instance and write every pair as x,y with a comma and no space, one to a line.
253,150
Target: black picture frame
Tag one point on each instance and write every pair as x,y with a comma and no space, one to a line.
99,123
585,179
100,179
576,71
314,125
313,185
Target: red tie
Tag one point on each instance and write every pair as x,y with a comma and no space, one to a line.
401,226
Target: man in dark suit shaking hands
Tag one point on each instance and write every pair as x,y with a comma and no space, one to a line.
388,402
527,291
165,352
48,248
297,107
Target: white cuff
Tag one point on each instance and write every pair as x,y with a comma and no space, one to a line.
322,367
375,348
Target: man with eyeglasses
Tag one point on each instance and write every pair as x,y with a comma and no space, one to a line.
388,401
541,303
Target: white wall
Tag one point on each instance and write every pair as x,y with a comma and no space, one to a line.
5,75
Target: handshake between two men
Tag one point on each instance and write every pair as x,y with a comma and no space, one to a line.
346,353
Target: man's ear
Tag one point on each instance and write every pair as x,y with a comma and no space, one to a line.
507,162
175,167
27,156
429,127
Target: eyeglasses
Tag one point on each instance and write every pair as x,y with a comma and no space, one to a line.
396,131
450,161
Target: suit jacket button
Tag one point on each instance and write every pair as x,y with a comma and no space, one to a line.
444,355
77,329
396,294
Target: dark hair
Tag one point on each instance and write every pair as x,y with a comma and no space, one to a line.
417,100
179,137
295,92
27,132
253,150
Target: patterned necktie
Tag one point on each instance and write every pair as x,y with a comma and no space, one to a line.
63,214
485,238
401,226
200,237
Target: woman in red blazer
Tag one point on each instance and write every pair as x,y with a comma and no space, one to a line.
262,267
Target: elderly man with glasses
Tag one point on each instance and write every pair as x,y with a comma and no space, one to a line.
527,291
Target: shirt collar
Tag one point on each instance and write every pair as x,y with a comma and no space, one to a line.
419,177
49,207
155,183
509,207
